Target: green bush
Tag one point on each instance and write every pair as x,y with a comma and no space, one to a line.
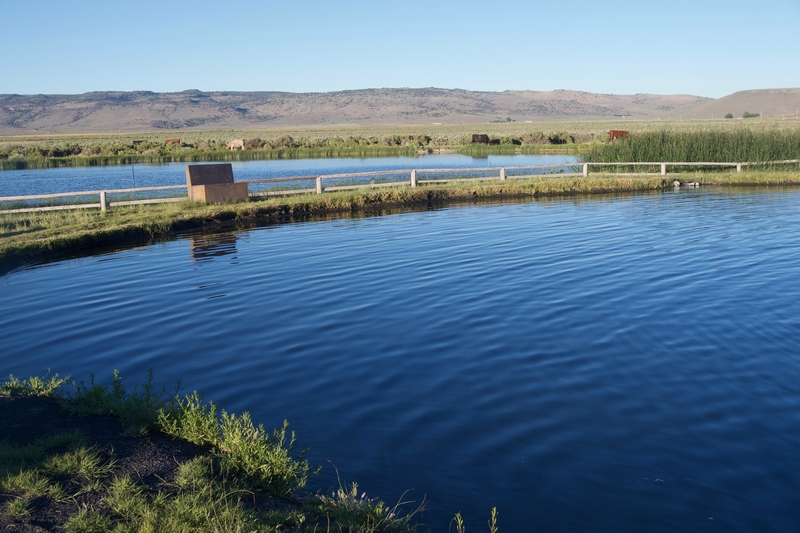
33,386
139,409
264,460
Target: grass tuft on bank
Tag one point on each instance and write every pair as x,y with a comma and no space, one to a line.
33,386
262,460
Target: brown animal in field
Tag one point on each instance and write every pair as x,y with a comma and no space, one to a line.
172,141
617,134
480,138
236,144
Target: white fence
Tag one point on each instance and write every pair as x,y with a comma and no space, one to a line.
415,179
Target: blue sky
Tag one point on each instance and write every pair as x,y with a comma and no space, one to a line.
708,48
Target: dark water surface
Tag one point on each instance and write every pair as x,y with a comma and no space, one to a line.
616,364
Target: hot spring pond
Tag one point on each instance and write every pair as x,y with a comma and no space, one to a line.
605,364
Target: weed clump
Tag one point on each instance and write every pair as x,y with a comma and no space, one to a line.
264,460
138,409
351,512
33,386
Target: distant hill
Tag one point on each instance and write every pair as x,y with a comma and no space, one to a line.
770,102
147,111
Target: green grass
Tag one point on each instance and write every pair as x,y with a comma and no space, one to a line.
20,506
14,458
212,492
29,471
262,460
33,386
86,462
205,503
138,409
353,512
483,150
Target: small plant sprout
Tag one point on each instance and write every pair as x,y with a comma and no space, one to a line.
459,521
493,521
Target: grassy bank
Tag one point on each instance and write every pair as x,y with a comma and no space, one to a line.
37,235
100,460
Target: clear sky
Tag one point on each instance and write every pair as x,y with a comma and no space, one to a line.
703,47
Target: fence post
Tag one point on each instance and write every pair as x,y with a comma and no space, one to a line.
663,169
585,169
413,178
103,203
738,167
319,185
502,173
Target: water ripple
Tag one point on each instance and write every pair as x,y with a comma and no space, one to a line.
607,364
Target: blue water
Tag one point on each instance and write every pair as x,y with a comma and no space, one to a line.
55,180
606,364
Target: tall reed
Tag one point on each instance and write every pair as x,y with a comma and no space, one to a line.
713,146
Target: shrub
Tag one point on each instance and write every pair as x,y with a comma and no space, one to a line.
254,144
33,386
139,409
265,461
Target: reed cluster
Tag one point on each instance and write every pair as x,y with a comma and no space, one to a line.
735,146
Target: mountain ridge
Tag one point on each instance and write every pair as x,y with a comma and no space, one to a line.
103,111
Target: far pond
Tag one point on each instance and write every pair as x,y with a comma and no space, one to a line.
74,179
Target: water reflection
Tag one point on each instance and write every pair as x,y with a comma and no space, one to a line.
207,247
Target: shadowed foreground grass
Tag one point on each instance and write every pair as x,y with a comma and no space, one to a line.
245,480
36,235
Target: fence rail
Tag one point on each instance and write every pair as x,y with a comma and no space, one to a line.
414,180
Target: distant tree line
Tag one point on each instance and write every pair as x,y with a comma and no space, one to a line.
746,114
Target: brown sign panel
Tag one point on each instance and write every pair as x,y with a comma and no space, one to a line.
209,174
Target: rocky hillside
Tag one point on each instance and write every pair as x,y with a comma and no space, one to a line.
147,111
